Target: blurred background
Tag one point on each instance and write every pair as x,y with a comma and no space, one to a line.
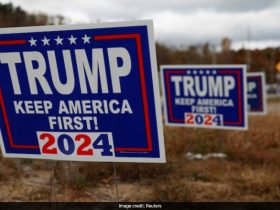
187,32
202,164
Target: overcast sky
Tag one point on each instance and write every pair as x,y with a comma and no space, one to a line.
178,22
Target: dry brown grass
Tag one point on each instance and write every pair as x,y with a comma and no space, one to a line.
249,173
259,145
8,169
181,190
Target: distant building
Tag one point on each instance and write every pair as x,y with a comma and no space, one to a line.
225,44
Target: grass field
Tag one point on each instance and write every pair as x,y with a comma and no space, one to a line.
250,172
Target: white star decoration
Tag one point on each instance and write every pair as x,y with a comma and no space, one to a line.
45,41
86,39
72,40
32,42
58,40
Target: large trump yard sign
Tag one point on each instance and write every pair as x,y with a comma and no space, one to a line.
205,96
81,92
256,93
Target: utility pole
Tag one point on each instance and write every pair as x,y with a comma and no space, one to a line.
248,52
214,55
272,65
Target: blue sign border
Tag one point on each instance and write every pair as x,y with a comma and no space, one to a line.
243,95
154,75
262,84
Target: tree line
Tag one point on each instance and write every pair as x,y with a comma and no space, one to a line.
257,60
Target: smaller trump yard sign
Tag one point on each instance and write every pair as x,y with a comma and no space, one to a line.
256,93
205,96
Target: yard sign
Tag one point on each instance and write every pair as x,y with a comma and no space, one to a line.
256,93
205,96
81,92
